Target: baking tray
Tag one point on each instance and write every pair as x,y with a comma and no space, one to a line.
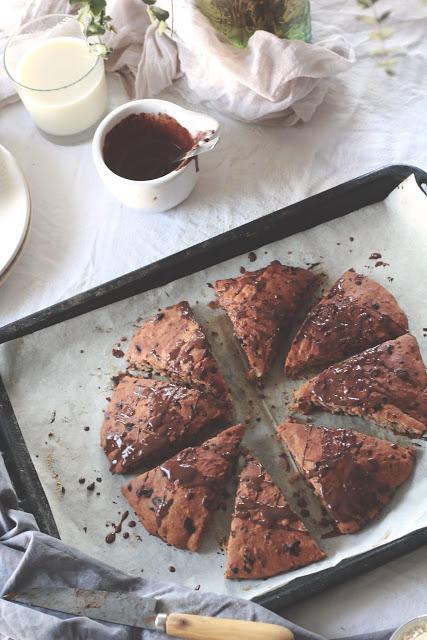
331,204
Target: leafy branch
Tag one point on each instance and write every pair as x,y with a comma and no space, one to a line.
95,21
386,56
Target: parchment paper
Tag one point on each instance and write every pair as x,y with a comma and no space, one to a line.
58,380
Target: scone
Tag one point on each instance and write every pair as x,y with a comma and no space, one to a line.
355,314
148,421
176,499
261,304
266,536
386,384
353,474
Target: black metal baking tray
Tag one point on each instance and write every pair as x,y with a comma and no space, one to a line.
328,205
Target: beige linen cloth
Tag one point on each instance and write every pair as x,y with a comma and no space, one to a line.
271,78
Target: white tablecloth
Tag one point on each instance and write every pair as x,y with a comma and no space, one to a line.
81,237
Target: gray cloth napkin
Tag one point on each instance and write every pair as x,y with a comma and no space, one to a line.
29,558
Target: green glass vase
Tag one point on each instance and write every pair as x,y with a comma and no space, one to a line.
237,20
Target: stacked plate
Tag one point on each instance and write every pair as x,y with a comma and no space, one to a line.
15,212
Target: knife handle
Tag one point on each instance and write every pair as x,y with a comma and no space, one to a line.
190,627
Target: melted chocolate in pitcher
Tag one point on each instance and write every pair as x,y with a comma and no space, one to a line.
145,146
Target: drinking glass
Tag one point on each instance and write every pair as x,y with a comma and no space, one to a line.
58,78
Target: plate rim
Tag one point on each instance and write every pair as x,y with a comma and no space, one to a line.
11,261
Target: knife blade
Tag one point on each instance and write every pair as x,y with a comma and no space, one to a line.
109,606
141,612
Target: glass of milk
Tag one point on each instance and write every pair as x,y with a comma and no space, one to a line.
58,78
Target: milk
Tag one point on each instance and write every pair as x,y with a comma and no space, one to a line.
68,91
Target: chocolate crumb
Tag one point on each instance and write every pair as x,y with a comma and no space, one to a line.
86,428
91,486
99,479
131,524
172,569
126,535
85,529
380,263
242,270
351,238
252,256
82,480
118,353
62,490
197,587
82,350
375,256
53,417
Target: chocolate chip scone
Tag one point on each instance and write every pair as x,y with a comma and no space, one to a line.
172,343
386,384
147,421
355,314
176,499
353,474
261,304
266,536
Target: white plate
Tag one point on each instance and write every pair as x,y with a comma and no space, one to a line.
15,209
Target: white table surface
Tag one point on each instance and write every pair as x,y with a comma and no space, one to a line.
81,237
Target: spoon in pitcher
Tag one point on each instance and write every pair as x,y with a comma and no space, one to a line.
202,146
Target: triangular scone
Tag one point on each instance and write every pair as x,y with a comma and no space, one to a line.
172,343
386,384
262,303
266,536
355,314
175,500
353,474
148,421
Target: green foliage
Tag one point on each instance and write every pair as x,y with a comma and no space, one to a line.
94,22
157,14
381,34
237,20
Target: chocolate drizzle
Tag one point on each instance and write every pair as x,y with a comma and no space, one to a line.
198,467
260,500
111,537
